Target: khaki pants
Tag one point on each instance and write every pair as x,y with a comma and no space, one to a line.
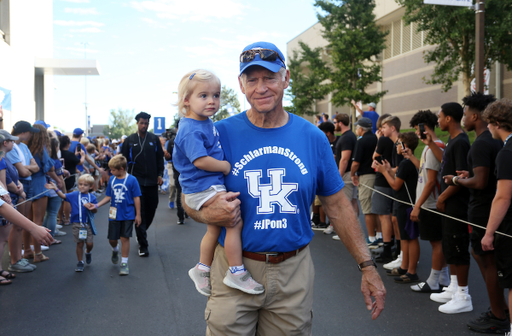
172,187
349,189
365,194
285,308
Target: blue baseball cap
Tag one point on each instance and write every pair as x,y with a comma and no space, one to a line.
58,133
78,131
273,66
41,122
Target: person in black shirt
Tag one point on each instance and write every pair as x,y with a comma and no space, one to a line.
481,182
454,202
345,147
404,185
71,160
362,171
499,117
145,158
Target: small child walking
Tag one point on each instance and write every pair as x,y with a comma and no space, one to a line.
83,204
123,193
199,158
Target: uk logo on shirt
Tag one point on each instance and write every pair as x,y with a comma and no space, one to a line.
119,193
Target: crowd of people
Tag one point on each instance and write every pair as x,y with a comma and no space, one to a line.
432,197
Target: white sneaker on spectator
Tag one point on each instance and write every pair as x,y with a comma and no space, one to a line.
43,247
59,233
329,230
58,227
395,263
460,303
445,295
336,237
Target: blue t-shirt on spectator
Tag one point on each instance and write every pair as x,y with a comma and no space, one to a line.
59,171
373,116
122,193
14,157
72,149
196,139
72,198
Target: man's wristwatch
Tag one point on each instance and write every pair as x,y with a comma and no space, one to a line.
367,263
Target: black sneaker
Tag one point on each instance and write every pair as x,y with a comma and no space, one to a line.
80,267
384,259
320,226
143,252
315,218
489,324
88,258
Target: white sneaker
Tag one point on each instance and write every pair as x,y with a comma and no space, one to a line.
460,303
43,247
395,263
329,230
336,237
201,280
445,295
59,226
243,282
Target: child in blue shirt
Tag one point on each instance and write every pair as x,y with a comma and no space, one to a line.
124,193
199,158
82,204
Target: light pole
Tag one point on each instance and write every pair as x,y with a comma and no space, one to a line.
85,94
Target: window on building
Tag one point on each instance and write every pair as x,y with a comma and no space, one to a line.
402,38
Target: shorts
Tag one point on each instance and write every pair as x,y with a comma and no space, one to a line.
27,188
431,226
382,205
455,241
196,200
76,228
477,234
365,194
503,254
402,220
118,229
317,201
349,189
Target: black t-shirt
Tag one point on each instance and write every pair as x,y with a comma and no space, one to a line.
385,150
347,141
363,153
407,171
504,170
70,163
483,153
395,157
455,158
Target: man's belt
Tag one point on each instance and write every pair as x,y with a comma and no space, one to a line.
272,258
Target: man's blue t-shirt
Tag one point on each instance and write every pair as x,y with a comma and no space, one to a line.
72,149
14,157
122,192
374,117
278,172
72,198
195,139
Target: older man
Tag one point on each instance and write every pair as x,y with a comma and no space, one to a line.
275,175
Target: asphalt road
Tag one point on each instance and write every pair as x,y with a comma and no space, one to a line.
158,298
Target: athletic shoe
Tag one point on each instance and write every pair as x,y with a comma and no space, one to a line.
368,242
80,267
489,324
124,270
171,205
336,237
115,257
88,258
143,252
201,280
315,219
181,221
29,264
375,244
58,227
384,259
329,230
243,282
21,266
321,226
43,247
445,295
394,264
460,303
424,287
59,233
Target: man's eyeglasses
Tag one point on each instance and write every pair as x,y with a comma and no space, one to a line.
265,54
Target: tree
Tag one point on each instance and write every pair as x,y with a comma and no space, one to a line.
307,73
121,122
451,30
354,43
227,96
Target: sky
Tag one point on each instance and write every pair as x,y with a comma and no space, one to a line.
145,47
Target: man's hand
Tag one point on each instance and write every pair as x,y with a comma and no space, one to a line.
224,211
41,235
160,180
167,155
355,180
462,173
487,242
415,213
427,140
448,179
372,286
138,220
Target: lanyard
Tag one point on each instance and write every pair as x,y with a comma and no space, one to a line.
510,135
124,182
80,206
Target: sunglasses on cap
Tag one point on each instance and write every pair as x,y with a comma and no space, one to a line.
265,54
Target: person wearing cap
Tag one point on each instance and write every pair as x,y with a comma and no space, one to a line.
145,158
42,123
26,165
75,141
370,114
273,180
